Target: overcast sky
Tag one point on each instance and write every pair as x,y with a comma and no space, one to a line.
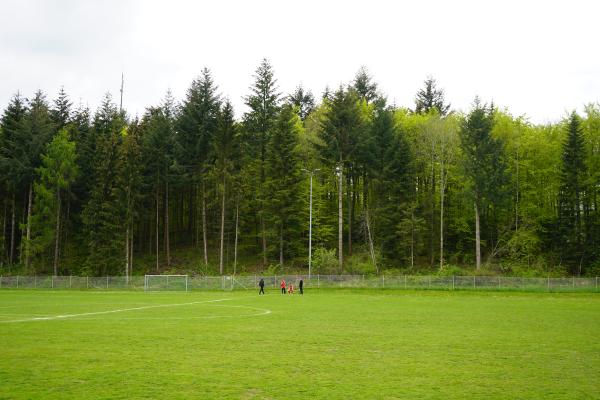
541,59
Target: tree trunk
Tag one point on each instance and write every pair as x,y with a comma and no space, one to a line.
131,252
371,247
57,232
235,246
517,196
12,233
340,220
349,195
157,211
281,245
204,224
167,244
432,230
264,238
3,236
477,237
27,245
412,237
442,189
127,254
222,229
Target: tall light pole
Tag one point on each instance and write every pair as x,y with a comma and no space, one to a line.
311,173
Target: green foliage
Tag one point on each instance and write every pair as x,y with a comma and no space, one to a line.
324,261
55,176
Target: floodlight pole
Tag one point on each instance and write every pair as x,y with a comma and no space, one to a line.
311,173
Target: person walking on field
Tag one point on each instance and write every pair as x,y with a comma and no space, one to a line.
282,285
261,284
301,286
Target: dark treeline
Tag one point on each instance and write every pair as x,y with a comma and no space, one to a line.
187,187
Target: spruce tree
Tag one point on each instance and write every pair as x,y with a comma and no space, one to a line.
572,196
283,181
431,98
226,150
263,102
56,174
303,100
103,212
484,164
12,147
364,85
340,129
61,111
195,126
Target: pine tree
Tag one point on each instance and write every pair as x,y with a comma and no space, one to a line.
159,141
572,195
340,129
225,148
12,147
484,164
61,111
431,98
130,186
103,212
283,180
38,131
364,85
195,126
393,183
56,174
258,128
303,100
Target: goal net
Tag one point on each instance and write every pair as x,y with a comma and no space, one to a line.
166,282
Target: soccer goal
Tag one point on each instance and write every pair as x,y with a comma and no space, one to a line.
165,282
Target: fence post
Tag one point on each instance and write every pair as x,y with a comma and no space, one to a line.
17,281
52,280
70,281
1,281
87,282
596,282
573,281
428,281
498,282
473,281
35,281
404,281
318,281
452,282
383,281
548,282
107,281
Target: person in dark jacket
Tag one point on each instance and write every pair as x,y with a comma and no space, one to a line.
301,286
261,284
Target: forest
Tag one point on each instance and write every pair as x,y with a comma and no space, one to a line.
189,188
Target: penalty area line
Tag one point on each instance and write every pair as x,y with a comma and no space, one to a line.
65,316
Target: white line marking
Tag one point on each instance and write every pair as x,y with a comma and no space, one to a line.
49,318
262,311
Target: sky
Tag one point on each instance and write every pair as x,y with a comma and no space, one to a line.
539,59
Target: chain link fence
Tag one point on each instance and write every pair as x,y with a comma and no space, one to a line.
230,282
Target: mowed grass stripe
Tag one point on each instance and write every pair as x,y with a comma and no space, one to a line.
326,344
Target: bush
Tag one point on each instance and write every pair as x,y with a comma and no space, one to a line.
325,261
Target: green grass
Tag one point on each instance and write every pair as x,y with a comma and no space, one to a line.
328,344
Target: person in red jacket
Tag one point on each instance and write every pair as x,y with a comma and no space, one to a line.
282,286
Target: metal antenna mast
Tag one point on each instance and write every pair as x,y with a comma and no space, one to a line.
121,104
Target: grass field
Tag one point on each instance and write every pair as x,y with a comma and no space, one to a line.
328,344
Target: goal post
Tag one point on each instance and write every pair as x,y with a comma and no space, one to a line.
166,282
